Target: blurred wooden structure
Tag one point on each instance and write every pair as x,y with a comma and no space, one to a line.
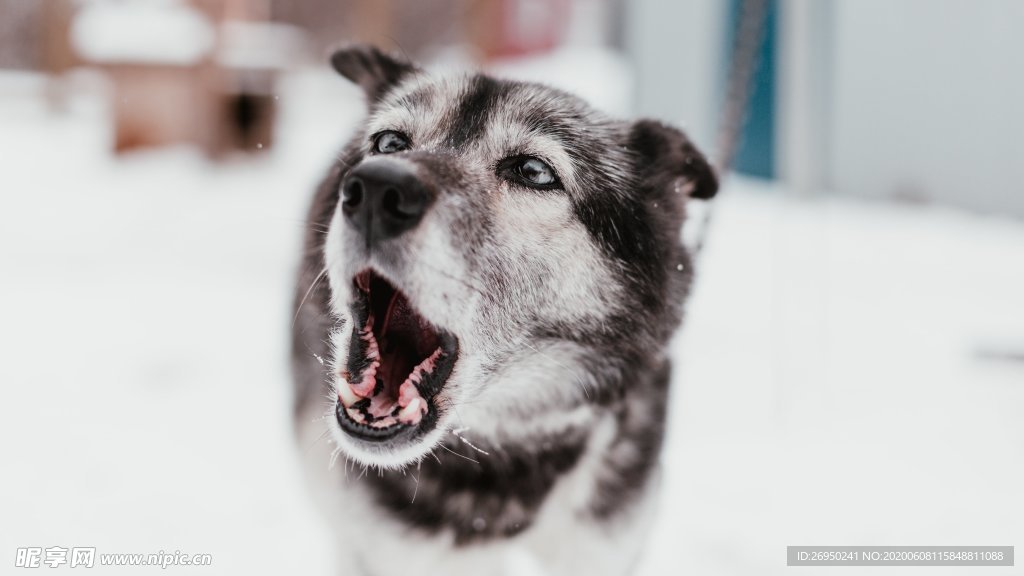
201,72
205,72
484,29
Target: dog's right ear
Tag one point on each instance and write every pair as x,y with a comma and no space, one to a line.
370,68
667,154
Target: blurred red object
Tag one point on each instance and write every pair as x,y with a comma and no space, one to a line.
504,28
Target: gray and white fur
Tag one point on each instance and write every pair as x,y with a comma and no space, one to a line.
537,453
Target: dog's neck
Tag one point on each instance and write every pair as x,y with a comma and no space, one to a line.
479,493
484,491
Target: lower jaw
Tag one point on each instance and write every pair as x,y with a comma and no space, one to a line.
397,433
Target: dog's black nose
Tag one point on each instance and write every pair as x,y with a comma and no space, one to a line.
382,198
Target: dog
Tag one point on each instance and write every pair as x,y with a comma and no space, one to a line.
492,271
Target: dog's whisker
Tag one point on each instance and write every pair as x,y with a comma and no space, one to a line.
416,486
457,434
315,226
463,456
334,458
316,441
312,286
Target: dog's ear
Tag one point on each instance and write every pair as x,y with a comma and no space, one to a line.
370,68
669,161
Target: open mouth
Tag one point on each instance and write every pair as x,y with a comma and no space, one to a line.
397,363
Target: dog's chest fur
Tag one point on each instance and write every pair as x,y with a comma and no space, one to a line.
479,511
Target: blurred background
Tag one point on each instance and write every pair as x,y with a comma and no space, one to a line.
852,367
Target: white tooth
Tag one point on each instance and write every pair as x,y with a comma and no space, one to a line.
411,412
345,392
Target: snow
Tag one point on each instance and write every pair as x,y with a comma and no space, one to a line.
843,375
830,389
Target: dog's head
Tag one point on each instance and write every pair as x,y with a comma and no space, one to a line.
500,257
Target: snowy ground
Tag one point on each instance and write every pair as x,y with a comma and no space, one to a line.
844,371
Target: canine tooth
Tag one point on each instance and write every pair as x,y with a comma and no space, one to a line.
345,392
412,412
407,393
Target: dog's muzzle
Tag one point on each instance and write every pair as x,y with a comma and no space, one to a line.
382,198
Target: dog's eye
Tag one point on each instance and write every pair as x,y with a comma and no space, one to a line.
532,172
389,142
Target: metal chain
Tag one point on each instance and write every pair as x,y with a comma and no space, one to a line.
742,71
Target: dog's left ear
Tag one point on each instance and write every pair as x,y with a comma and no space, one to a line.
668,160
370,68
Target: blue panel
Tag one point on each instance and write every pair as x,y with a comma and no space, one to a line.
756,153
